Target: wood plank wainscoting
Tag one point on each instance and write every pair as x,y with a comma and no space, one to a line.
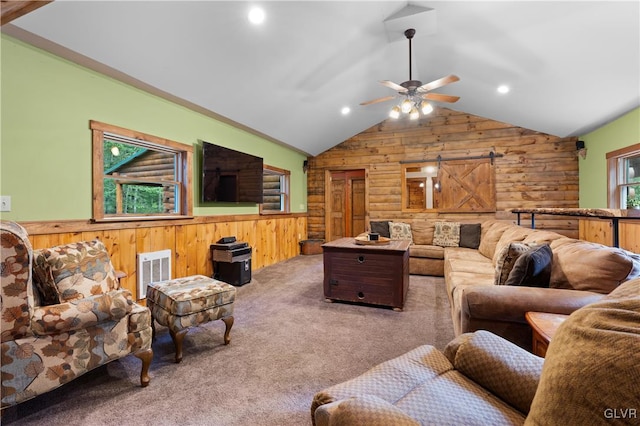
535,169
274,238
600,231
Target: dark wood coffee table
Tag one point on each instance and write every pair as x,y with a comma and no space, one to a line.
373,274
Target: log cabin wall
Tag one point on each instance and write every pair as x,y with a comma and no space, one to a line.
536,170
273,238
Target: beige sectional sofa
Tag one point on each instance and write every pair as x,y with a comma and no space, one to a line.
581,273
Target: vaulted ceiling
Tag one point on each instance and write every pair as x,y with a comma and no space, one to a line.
571,66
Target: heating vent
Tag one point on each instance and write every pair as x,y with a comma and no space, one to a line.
153,267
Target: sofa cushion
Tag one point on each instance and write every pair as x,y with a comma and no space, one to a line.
400,231
582,265
380,227
506,258
470,235
542,237
514,233
422,232
77,270
446,234
431,252
503,368
533,268
491,233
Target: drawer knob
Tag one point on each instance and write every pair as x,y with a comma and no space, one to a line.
360,259
360,295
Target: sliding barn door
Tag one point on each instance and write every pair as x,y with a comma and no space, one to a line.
467,185
345,204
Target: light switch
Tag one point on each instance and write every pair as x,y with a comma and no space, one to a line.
5,203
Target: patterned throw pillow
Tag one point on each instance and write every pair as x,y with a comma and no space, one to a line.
507,258
400,231
76,270
446,234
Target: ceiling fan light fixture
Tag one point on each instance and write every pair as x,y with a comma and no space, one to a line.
414,114
395,112
426,108
406,106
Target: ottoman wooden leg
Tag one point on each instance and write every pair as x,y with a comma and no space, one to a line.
177,341
228,322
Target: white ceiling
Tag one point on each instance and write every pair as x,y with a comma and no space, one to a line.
572,66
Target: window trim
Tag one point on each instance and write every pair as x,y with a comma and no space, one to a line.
286,176
183,172
613,174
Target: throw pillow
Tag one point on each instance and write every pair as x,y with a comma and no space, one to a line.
533,268
446,234
470,235
505,260
400,231
77,270
381,228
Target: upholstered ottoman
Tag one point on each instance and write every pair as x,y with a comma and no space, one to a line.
190,301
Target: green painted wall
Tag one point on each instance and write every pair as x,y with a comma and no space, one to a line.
623,132
45,141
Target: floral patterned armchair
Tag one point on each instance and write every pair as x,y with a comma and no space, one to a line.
63,314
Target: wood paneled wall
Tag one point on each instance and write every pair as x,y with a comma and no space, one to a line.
273,238
601,231
536,170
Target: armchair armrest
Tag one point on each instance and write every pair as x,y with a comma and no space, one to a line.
362,410
496,364
81,313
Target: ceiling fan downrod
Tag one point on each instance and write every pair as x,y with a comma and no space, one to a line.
409,35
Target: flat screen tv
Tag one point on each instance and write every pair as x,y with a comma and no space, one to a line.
230,176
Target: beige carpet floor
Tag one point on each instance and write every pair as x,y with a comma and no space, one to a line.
286,344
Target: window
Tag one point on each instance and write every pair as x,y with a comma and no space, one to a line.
275,184
623,170
138,176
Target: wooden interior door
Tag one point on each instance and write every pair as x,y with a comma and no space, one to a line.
346,204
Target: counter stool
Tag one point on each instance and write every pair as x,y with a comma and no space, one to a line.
190,301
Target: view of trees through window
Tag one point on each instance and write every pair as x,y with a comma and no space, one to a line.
631,191
134,179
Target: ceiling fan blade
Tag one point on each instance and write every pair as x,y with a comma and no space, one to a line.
375,101
438,83
393,86
441,98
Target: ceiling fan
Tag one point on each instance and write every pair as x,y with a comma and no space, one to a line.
414,92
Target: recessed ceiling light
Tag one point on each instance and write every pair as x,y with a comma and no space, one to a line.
503,89
256,15
345,110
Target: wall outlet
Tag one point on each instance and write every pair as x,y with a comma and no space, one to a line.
5,203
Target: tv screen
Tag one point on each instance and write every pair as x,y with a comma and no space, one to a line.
230,176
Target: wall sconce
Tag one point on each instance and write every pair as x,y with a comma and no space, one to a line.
305,166
581,149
